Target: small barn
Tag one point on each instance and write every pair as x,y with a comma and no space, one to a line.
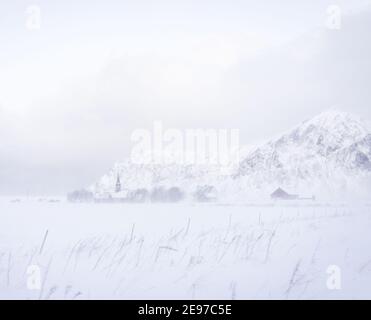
281,194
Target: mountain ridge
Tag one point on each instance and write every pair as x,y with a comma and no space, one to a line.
327,154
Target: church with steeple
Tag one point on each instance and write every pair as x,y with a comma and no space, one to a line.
118,184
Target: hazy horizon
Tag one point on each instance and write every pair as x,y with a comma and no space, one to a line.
73,90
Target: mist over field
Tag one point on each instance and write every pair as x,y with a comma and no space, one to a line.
185,150
183,251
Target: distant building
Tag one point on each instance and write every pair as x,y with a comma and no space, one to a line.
281,194
205,193
118,184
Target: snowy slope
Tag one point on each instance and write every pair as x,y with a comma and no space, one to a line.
329,154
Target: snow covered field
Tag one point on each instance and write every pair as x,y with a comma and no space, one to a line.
183,251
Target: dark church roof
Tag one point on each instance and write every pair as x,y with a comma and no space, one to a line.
282,194
279,193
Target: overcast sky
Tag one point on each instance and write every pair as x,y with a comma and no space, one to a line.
72,91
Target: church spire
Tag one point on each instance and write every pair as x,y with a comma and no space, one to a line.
118,184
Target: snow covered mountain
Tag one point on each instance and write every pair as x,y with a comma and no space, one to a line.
329,154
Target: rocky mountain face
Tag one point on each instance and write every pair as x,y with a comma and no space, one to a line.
320,151
329,154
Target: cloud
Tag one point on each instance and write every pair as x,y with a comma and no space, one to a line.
70,133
